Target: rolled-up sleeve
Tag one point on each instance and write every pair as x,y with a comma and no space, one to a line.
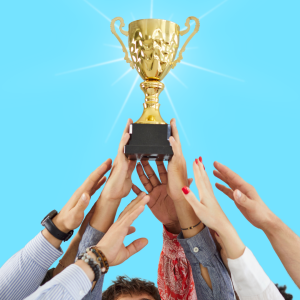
201,249
71,284
23,273
92,237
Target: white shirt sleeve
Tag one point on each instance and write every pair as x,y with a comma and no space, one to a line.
249,279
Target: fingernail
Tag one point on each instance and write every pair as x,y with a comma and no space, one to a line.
238,194
83,197
217,234
186,190
196,160
200,159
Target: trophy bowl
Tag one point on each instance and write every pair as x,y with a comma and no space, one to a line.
153,45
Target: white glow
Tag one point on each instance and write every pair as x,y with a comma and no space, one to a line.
122,76
118,116
170,18
207,13
93,66
176,115
177,79
151,10
210,71
132,16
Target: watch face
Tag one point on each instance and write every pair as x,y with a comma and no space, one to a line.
51,215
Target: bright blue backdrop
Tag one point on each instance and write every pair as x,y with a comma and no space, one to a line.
57,128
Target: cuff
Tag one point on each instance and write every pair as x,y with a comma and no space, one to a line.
74,280
90,237
199,248
249,278
42,252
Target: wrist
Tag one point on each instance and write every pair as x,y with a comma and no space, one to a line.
59,223
173,227
272,224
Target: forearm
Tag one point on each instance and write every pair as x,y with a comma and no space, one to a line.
104,214
286,244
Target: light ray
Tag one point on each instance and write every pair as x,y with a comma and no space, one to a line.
132,16
151,10
177,79
191,48
98,11
118,116
122,76
93,66
170,17
210,71
176,115
207,13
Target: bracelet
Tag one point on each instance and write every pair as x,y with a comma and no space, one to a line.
99,259
103,258
191,226
92,263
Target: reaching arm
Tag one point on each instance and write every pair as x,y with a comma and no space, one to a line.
284,241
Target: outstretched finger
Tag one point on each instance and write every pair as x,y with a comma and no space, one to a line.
228,192
98,185
163,174
190,180
126,129
136,246
143,178
175,133
235,181
132,204
175,146
123,142
220,176
131,230
135,189
150,173
131,167
199,179
82,204
197,206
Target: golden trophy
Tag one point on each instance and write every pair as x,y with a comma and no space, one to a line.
153,45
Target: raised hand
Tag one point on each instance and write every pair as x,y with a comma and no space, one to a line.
72,214
161,204
244,196
210,212
119,182
112,243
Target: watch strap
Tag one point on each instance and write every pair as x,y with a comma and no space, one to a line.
60,235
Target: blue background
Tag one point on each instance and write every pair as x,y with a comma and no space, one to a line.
57,128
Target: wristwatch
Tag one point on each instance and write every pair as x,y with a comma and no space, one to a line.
50,226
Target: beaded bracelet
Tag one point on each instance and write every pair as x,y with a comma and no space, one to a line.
98,259
92,263
103,258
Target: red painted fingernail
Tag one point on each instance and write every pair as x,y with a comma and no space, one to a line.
200,158
186,190
196,160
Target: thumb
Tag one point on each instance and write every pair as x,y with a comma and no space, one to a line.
241,199
82,203
190,180
136,246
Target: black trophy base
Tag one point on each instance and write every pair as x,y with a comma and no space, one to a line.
149,142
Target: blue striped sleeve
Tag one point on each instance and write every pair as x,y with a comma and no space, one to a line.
23,273
71,284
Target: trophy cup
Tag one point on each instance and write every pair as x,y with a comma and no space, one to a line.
153,45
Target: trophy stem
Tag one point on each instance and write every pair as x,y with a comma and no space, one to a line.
151,114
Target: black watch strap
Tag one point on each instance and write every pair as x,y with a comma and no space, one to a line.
50,226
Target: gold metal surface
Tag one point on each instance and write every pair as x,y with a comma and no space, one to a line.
153,44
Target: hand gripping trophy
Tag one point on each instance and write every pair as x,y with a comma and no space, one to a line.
153,45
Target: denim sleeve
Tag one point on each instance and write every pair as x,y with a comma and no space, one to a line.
91,237
201,249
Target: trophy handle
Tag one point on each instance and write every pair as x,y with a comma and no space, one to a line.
183,32
113,30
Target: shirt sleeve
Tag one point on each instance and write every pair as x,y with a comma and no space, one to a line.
92,237
249,279
201,249
71,284
175,278
23,273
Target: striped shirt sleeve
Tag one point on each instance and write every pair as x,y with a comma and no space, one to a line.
23,273
71,284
